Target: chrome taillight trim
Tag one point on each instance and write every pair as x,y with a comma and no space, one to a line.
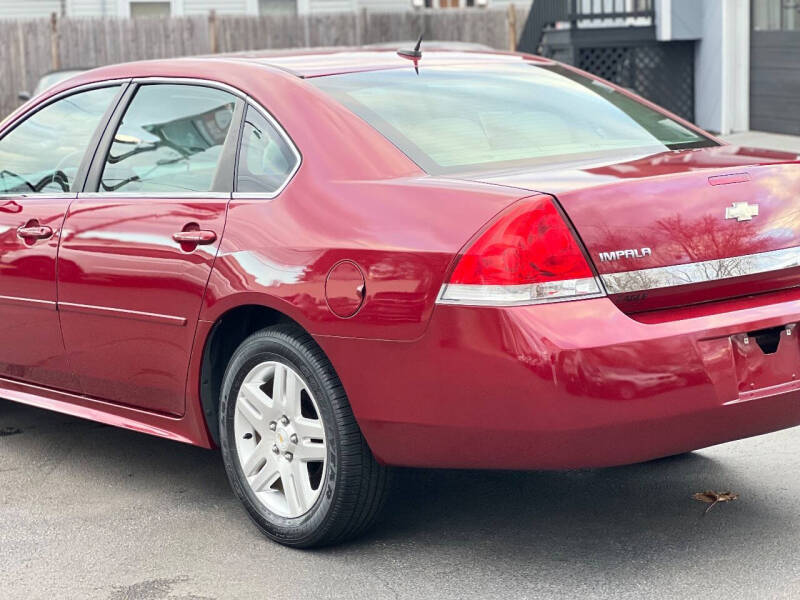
701,272
520,295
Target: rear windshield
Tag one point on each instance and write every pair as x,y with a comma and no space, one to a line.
463,118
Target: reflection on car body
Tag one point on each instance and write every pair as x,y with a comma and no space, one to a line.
328,263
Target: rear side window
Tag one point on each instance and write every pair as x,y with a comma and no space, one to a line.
266,160
170,140
44,152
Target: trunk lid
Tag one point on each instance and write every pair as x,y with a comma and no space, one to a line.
681,227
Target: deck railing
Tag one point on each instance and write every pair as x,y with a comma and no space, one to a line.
609,10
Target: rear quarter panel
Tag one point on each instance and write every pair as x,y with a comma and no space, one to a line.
403,234
355,197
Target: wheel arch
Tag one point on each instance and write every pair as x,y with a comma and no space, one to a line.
229,330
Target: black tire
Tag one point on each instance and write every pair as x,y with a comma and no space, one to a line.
355,484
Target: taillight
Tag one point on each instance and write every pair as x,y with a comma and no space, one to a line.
527,256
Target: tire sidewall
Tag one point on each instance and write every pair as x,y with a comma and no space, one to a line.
261,348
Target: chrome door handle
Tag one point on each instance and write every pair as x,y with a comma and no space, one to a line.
35,232
201,237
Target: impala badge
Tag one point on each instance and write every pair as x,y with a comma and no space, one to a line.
632,253
741,211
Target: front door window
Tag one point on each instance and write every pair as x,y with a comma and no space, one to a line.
43,154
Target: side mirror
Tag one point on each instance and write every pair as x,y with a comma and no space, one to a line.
24,96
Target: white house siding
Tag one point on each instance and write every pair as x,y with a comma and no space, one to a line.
193,7
385,5
403,5
112,8
522,7
14,9
329,6
92,8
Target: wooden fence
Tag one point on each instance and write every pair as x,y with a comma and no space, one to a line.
30,48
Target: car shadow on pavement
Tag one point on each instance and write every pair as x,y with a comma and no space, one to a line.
622,519
629,520
595,518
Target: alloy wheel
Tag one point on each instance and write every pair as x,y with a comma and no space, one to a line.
280,439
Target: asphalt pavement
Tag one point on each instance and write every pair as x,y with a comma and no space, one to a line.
89,511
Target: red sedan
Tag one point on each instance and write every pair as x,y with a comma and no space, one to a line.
330,263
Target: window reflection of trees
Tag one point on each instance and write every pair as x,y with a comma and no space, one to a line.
742,251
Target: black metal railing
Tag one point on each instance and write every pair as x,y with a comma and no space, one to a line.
609,10
545,13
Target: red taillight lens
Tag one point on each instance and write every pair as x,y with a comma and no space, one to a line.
528,255
529,244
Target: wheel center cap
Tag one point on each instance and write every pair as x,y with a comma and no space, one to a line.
282,439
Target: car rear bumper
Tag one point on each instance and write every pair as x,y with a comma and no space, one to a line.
574,384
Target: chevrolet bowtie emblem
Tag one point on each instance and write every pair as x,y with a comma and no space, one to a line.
741,211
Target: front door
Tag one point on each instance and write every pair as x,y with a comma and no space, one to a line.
136,254
40,161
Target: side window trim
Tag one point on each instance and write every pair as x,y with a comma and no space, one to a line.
17,118
80,176
83,171
225,177
92,182
289,142
220,188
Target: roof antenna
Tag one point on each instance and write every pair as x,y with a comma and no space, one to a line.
414,54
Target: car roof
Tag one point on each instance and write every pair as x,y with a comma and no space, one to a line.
317,62
300,63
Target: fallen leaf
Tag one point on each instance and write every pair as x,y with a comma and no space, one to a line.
713,498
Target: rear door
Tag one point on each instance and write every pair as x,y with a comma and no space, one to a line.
138,249
43,159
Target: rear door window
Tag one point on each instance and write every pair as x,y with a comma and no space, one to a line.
266,158
170,140
43,154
